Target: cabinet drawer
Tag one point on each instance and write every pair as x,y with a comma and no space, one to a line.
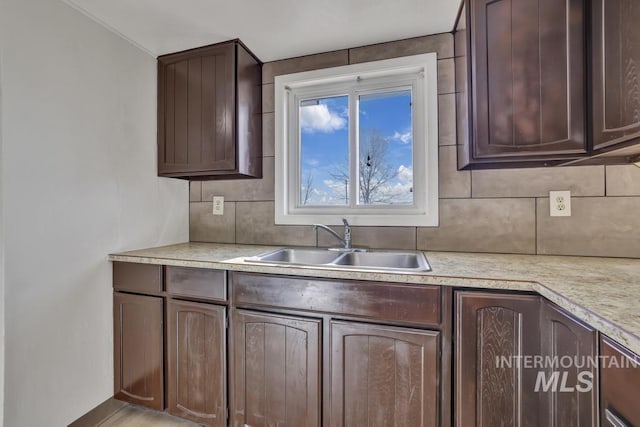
619,384
128,276
419,304
196,283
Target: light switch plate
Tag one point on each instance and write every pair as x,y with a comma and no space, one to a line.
560,203
218,205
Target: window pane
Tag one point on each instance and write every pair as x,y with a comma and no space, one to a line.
385,145
324,151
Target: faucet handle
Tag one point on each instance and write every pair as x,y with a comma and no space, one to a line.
345,222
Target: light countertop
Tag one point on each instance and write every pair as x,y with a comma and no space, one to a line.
602,292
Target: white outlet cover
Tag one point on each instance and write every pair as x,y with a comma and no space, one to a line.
560,203
218,205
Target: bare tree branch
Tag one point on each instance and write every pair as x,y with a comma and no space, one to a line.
374,168
307,188
376,172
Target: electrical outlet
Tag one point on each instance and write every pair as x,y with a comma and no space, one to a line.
218,205
560,203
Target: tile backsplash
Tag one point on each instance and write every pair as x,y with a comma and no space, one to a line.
504,211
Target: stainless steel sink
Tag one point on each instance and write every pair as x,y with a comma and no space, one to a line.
300,256
385,260
402,262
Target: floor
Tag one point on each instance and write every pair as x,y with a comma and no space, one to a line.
113,413
135,416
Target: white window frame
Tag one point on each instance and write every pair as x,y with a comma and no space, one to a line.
419,73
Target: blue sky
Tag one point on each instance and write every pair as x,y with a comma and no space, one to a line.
325,143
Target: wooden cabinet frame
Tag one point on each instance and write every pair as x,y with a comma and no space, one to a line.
210,113
487,324
494,383
538,86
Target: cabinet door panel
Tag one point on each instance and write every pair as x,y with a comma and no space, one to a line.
138,346
564,337
383,376
276,370
196,110
490,329
528,78
196,359
616,71
619,385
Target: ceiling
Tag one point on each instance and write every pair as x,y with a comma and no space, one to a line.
272,29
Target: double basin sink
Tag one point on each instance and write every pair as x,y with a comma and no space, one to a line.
396,261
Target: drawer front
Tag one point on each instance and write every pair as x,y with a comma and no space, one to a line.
417,304
199,283
128,276
619,384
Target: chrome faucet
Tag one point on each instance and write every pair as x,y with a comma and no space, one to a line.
346,240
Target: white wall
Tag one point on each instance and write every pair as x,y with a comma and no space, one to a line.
78,125
1,260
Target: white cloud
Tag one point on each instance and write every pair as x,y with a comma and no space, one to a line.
334,185
405,173
405,138
331,195
318,118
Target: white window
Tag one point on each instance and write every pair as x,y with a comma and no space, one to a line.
358,142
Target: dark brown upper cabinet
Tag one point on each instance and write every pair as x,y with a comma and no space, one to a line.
209,113
615,61
527,74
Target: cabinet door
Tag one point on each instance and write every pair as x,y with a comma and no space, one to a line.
196,359
383,376
196,110
276,372
138,347
572,398
527,78
619,385
493,333
615,42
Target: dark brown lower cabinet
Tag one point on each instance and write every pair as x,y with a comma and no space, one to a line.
383,376
572,398
493,332
620,385
522,361
196,362
519,360
138,349
276,370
